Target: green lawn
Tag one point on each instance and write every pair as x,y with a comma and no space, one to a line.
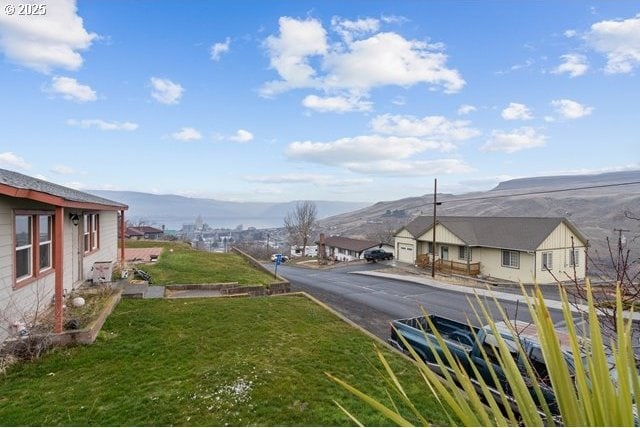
185,265
211,362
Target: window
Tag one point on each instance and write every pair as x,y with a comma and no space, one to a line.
45,239
462,253
511,259
24,246
33,244
547,260
430,248
574,257
90,223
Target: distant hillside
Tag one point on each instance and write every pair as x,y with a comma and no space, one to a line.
596,212
173,211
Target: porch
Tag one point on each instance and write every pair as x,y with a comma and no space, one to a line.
449,266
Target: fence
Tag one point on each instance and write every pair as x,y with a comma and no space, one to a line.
449,266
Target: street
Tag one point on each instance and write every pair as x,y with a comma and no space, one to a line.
373,302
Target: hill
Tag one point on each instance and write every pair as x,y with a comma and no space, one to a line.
173,211
596,211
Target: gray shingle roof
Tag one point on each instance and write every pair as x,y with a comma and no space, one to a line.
349,243
21,181
516,233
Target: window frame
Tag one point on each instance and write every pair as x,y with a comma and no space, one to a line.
546,260
90,232
511,253
463,251
574,257
34,253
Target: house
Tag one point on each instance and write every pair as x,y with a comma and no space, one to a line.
520,249
143,232
51,238
344,249
309,251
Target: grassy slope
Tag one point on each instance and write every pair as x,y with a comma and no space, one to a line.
208,362
189,266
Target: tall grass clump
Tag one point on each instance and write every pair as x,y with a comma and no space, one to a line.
601,389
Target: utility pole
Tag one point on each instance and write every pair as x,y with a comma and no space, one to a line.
435,204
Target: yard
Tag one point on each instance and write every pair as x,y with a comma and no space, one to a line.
181,264
211,362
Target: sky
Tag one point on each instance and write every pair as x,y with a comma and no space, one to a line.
328,100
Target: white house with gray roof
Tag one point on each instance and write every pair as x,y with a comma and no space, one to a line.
50,238
520,249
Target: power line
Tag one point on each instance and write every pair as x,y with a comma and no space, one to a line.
541,192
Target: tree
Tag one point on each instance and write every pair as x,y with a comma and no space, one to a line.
300,223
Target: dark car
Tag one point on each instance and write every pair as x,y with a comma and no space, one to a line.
375,255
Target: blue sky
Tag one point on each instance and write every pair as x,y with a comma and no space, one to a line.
333,100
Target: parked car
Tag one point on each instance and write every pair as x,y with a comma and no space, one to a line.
375,255
466,343
283,258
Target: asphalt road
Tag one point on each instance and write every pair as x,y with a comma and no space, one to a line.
373,302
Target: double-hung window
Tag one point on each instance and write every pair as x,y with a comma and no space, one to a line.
33,244
91,235
463,252
574,257
547,260
511,259
23,226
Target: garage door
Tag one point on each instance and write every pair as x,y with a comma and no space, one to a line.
405,253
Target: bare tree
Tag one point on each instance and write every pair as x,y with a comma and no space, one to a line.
300,223
384,232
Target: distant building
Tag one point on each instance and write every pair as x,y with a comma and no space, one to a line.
519,249
309,251
144,232
344,249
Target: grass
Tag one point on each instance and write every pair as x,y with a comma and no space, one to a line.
185,265
210,362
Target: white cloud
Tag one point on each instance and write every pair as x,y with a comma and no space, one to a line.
433,127
466,109
619,41
516,111
411,168
315,179
573,64
339,104
361,149
389,59
10,159
103,125
62,170
570,109
350,30
514,141
165,91
187,134
570,34
45,42
241,136
359,61
289,52
71,90
217,49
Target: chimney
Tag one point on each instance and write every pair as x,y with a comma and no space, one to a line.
322,252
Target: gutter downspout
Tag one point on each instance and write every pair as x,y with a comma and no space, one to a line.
58,256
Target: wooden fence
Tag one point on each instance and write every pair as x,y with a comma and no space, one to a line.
449,266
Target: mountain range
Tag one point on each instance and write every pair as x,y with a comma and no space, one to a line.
596,204
173,211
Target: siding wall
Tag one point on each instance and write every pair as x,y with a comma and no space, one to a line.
37,295
23,303
108,251
491,265
443,236
559,244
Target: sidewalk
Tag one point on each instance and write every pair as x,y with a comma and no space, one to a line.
500,295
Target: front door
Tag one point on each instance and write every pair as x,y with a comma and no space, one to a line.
444,253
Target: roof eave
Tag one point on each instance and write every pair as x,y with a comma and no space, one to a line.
58,201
